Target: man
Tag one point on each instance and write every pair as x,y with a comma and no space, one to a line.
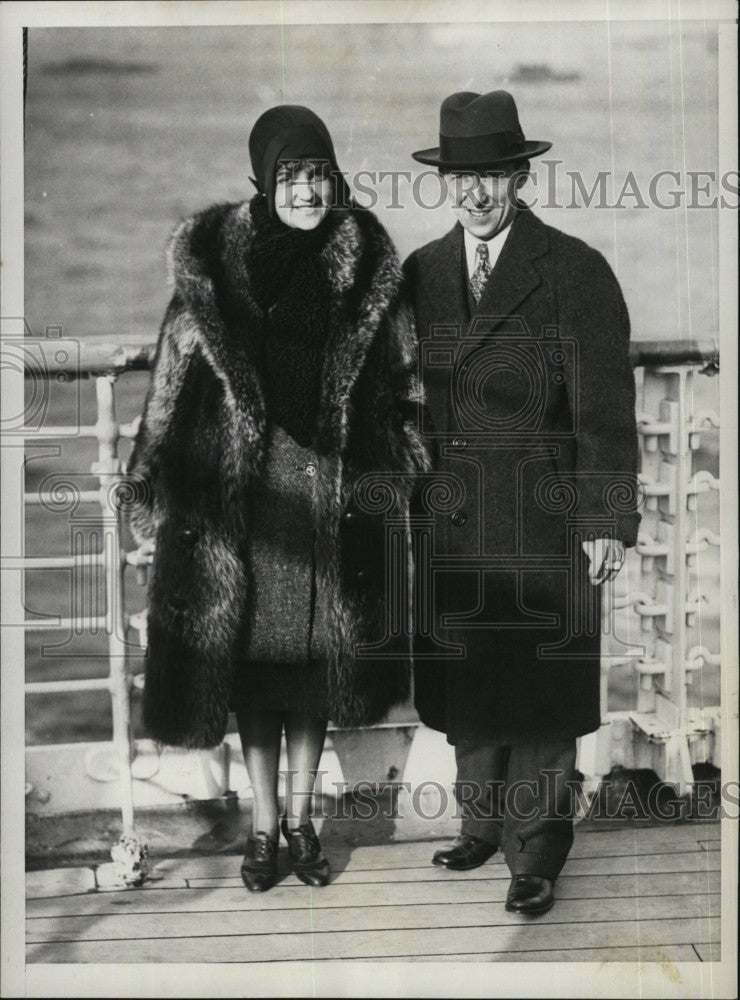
524,339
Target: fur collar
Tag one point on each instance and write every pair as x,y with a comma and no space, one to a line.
212,248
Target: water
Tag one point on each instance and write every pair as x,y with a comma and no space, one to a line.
128,130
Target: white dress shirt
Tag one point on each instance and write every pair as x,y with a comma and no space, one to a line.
495,246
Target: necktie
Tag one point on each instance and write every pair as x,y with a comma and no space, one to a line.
480,275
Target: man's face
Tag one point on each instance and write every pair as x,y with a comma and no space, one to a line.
484,204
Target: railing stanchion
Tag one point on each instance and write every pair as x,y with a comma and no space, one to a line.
129,854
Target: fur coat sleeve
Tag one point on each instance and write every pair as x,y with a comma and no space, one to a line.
174,355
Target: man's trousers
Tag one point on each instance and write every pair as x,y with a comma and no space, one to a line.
518,798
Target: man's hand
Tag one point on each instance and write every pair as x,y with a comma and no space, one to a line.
606,556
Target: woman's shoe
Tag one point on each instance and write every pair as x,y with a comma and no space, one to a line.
259,867
304,849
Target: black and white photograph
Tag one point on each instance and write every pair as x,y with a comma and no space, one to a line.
369,499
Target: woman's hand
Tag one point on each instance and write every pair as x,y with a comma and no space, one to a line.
606,556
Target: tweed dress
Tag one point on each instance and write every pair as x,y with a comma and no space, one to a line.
283,663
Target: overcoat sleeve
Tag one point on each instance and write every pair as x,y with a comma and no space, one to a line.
175,352
594,314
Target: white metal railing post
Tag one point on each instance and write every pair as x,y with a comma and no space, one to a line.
677,458
668,436
129,854
652,557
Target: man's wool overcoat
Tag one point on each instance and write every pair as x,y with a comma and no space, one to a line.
531,398
199,456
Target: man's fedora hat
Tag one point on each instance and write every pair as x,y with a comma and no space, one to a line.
479,131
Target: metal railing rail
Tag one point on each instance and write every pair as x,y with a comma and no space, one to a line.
661,728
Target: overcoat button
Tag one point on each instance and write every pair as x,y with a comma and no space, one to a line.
361,574
459,443
188,536
459,518
349,515
311,469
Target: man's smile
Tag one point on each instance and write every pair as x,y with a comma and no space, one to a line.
479,213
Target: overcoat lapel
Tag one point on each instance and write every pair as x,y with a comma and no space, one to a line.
514,276
450,290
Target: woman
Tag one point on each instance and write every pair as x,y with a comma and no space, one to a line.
284,374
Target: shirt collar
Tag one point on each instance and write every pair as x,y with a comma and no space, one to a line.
495,246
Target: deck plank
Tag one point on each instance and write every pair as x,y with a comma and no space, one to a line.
588,843
329,920
441,890
59,882
666,953
519,939
636,894
596,865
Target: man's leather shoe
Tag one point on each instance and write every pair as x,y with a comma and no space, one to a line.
464,853
529,894
259,867
306,857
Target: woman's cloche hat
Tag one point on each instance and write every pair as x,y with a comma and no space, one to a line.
287,132
479,131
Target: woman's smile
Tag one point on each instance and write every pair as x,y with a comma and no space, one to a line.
302,197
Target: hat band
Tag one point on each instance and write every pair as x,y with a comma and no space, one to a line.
480,148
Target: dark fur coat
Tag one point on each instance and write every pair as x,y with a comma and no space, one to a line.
199,455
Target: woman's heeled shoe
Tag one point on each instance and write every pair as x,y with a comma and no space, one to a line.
306,857
259,867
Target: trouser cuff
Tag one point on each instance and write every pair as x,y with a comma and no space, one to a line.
526,863
486,830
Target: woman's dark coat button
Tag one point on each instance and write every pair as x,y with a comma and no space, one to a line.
459,518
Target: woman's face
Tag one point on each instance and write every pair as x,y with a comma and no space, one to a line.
303,194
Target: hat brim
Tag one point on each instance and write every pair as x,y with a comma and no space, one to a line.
433,158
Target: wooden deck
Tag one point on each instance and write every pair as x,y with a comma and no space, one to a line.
647,895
